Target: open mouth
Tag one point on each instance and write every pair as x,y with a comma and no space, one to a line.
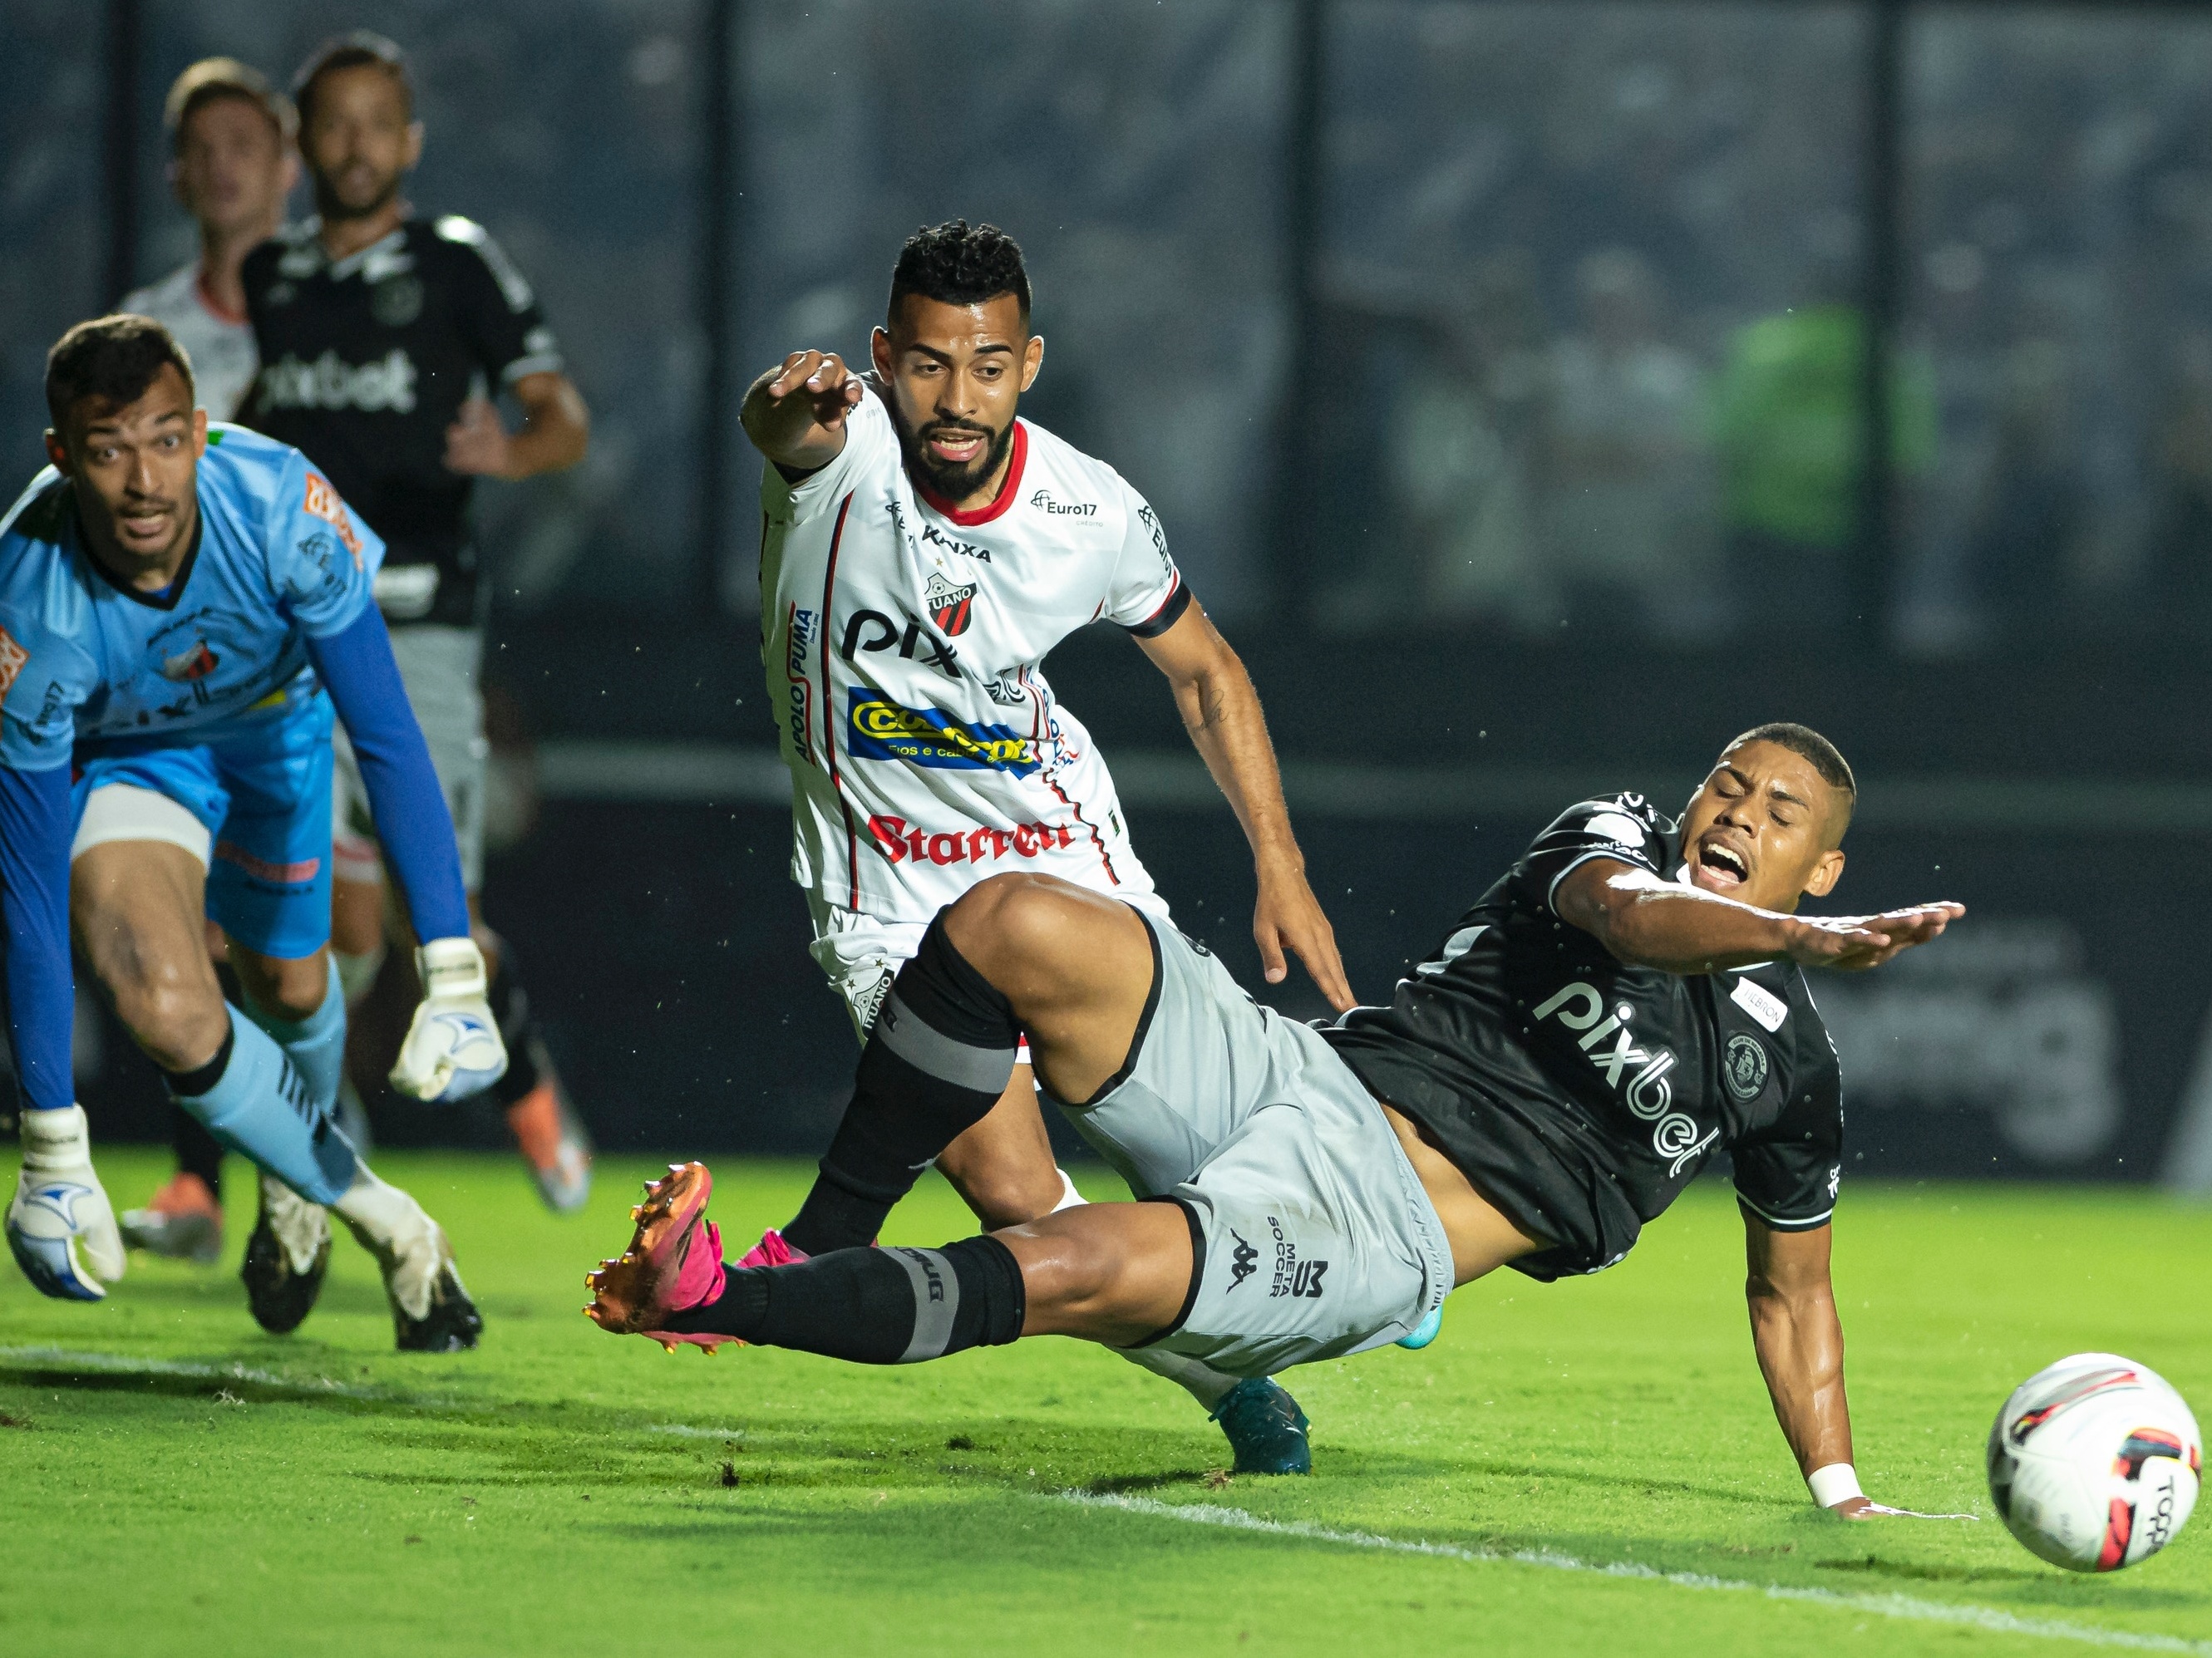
955,446
1721,867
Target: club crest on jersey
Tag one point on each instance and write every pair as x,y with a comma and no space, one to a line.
195,661
951,608
884,730
1745,1066
12,659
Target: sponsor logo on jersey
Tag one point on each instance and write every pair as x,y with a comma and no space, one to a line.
872,631
12,659
798,639
330,382
1044,503
901,841
951,608
1745,1066
322,502
934,536
1639,1076
884,730
195,661
1150,519
1293,1276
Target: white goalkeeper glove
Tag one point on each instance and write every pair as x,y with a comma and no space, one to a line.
58,1206
453,1048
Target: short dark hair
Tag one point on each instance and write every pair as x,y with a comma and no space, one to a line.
1807,744
959,264
113,359
213,79
355,48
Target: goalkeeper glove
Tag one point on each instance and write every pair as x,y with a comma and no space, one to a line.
453,1048
59,1205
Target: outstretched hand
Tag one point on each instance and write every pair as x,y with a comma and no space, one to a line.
1853,943
1289,915
797,417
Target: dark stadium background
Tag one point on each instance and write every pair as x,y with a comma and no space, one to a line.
1466,351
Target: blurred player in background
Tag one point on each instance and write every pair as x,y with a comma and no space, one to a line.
924,550
383,339
231,165
180,610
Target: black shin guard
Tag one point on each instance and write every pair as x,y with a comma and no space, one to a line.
894,1306
939,1057
198,1152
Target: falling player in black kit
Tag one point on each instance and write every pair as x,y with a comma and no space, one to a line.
382,337
1626,1001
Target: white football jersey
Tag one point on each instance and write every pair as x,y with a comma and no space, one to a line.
224,360
901,639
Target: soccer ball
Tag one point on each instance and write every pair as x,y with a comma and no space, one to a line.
2094,1463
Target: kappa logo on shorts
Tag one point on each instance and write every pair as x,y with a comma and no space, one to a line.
1294,1277
1244,1261
12,659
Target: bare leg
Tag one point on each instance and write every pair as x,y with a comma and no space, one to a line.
135,908
1114,1273
1004,1166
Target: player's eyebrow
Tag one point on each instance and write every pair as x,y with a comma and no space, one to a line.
946,358
1781,793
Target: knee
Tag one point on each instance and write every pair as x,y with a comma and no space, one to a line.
1010,922
295,989
176,1018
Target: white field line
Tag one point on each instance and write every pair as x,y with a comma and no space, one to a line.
116,1364
1905,1606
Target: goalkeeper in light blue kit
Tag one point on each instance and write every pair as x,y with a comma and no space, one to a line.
180,608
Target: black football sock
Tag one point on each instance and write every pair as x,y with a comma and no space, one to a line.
939,1057
198,1152
896,1306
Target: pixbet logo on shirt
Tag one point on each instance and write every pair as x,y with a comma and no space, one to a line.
330,382
901,841
1647,1093
883,730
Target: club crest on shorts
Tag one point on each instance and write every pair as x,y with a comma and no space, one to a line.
1745,1066
949,607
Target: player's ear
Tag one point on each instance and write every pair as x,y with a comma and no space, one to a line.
1032,361
879,353
57,453
1826,874
199,432
291,170
414,145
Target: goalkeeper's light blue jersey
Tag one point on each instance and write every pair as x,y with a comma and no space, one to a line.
84,660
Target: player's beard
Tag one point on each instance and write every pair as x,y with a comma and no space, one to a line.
954,483
335,207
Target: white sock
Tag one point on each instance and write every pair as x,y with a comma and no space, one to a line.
395,1228
302,1229
1069,1197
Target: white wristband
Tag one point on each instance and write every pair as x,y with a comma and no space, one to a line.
1837,1483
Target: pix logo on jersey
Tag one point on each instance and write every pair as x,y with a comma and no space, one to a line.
884,730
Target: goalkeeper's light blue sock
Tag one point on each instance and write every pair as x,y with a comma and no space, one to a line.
254,1101
316,1044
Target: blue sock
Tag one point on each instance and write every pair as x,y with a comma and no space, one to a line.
315,1045
252,1099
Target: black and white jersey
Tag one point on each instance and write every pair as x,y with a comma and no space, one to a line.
1580,1095
365,361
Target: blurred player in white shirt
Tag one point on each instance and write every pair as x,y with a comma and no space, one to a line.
924,549
232,166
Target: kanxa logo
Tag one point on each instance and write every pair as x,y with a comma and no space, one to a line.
872,631
951,607
1243,1260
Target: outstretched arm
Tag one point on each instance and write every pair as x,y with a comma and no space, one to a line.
795,415
1646,921
1799,1341
1221,711
34,874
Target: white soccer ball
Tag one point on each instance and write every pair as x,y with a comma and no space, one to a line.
2094,1463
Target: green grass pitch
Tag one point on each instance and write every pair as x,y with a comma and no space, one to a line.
178,1483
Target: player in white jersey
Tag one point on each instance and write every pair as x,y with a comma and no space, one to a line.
923,549
232,164
232,168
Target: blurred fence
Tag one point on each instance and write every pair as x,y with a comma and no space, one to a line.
1598,377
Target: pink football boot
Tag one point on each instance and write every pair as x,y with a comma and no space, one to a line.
773,1251
674,1263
